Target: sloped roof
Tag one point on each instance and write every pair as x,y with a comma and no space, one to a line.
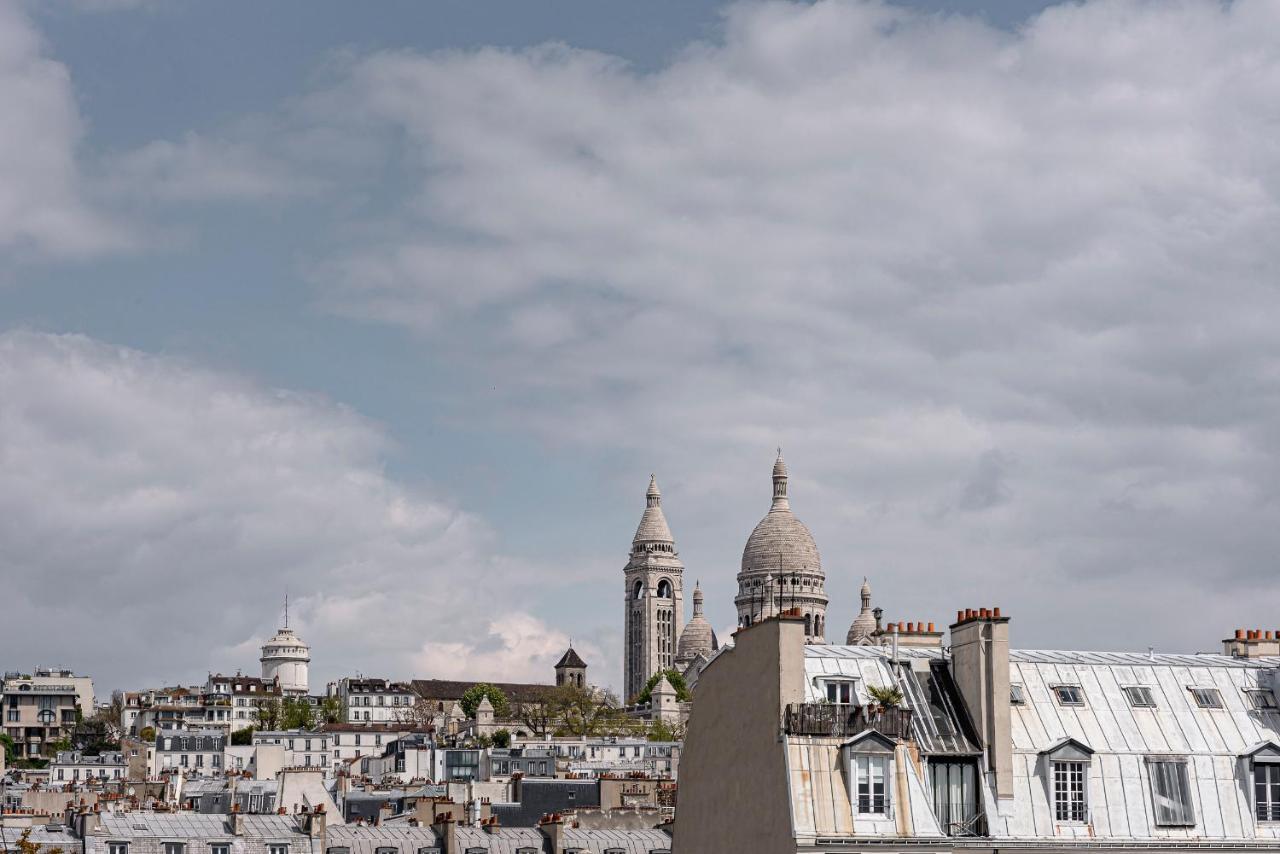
571,659
450,689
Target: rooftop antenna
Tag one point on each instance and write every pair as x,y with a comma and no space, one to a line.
286,609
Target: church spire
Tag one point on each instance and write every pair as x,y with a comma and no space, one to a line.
653,524
697,598
780,501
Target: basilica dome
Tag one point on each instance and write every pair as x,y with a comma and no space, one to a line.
780,544
697,637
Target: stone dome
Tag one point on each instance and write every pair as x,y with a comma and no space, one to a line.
864,625
653,529
697,637
781,543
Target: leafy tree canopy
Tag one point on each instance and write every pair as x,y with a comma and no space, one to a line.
242,737
471,700
676,680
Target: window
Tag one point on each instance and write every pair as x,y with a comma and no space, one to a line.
1262,700
219,848
174,848
337,739
1017,694
1266,791
1140,697
386,849
1069,794
839,691
872,791
117,848
278,848
337,849
1171,793
1207,698
1069,695
955,796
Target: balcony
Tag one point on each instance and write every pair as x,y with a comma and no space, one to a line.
845,721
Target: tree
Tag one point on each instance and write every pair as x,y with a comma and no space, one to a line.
330,710
148,733
537,715
581,711
6,742
268,714
26,846
420,715
502,738
661,731
242,737
296,713
471,700
676,680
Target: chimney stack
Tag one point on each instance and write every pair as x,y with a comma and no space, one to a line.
1252,643
980,667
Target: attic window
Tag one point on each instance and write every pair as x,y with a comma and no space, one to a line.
1262,700
1017,694
1069,695
839,691
1207,698
1140,697
1171,793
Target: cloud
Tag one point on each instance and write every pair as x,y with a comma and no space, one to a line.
894,242
42,203
201,169
511,647
154,513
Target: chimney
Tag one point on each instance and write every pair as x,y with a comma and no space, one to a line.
490,824
552,827
236,821
1252,643
447,831
980,667
317,826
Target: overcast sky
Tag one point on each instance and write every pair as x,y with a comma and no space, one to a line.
396,307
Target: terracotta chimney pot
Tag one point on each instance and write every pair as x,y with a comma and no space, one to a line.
1239,634
996,613
931,629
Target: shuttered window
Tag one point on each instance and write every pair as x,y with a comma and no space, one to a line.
1140,697
1207,698
1171,793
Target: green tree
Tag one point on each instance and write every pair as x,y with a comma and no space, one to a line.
330,710
148,733
581,711
502,738
661,731
7,743
676,680
471,699
242,737
268,714
296,713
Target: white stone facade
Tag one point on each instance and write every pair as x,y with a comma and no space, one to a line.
653,593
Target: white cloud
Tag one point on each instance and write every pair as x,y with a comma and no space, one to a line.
154,514
200,169
510,648
42,205
1005,297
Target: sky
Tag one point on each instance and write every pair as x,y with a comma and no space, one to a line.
395,308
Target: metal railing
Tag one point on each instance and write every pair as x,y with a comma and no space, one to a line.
842,721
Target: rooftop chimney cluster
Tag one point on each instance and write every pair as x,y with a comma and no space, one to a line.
911,628
967,615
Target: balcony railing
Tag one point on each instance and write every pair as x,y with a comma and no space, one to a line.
843,721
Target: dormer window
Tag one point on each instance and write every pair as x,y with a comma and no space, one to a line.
1017,694
1140,697
1262,700
1069,695
839,691
1067,763
868,758
1206,698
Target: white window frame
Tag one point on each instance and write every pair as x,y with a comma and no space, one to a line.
1208,691
1266,808
1079,693
1268,698
1068,779
844,689
1150,696
117,848
870,768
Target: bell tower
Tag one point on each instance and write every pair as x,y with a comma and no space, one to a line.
653,591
